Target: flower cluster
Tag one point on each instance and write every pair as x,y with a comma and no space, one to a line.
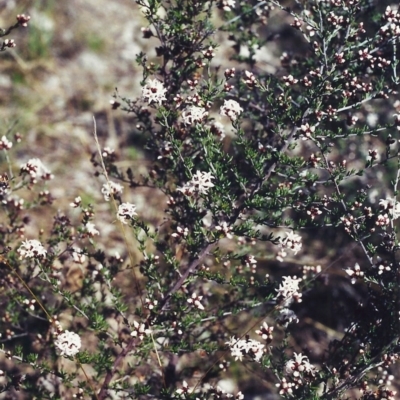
193,114
78,255
292,242
68,344
354,273
289,291
126,212
227,5
111,189
23,19
265,332
5,144
76,203
196,301
31,249
35,168
91,230
285,387
299,367
154,92
231,109
140,330
391,206
240,347
198,185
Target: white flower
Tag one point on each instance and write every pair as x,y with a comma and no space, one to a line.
111,189
183,390
240,347
31,249
390,204
200,184
231,109
35,168
126,211
288,291
5,144
68,344
299,365
91,230
194,114
227,5
180,232
154,91
195,300
225,229
354,273
76,203
292,242
77,255
108,152
265,332
140,330
307,131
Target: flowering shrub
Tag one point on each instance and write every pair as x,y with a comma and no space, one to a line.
259,168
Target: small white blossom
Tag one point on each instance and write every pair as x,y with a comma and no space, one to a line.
195,300
183,390
382,267
91,230
373,155
76,203
382,220
240,347
140,330
150,303
31,249
354,273
227,5
292,241
154,91
30,304
299,366
290,80
307,131
250,262
180,232
289,291
111,189
200,184
193,114
108,152
35,168
77,255
285,387
5,144
68,344
231,109
265,332
225,229
126,211
391,205
9,43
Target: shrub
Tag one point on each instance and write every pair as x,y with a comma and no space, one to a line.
271,265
